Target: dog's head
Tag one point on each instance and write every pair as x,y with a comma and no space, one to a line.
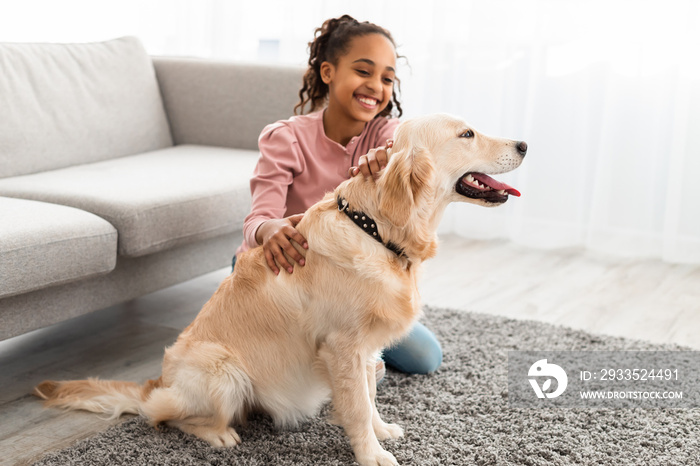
443,158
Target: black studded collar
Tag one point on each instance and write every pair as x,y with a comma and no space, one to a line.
368,225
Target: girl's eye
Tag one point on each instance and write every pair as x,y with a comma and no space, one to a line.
467,134
363,72
388,80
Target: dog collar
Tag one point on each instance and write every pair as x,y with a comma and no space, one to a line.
368,225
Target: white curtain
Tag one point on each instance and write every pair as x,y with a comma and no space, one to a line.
606,93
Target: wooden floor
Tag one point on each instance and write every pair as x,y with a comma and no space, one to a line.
632,298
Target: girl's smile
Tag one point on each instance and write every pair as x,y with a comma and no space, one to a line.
367,102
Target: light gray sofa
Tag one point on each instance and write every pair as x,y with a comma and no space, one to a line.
121,173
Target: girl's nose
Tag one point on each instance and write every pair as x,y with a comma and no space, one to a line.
375,84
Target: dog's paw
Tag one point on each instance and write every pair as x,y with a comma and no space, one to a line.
381,458
385,431
223,439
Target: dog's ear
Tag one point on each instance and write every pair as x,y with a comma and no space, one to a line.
403,181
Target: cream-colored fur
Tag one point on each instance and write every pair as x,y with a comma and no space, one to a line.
287,343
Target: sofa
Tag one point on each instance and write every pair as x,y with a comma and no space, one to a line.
122,173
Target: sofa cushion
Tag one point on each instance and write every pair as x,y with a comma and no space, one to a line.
46,244
155,200
67,104
223,103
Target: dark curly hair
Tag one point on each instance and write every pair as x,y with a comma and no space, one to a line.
330,42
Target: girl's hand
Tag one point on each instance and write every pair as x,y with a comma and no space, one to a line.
276,236
375,160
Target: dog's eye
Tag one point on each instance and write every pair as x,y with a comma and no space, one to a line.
467,134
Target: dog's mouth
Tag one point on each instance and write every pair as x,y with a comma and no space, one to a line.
481,186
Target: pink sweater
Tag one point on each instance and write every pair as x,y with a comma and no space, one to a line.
298,165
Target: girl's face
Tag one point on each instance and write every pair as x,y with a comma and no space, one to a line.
361,83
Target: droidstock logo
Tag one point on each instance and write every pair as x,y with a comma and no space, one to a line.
540,370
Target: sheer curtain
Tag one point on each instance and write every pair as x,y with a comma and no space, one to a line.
606,93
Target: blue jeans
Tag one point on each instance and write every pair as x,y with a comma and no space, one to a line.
419,352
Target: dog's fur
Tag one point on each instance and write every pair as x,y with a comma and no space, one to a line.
286,343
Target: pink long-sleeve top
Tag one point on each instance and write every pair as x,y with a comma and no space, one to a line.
299,164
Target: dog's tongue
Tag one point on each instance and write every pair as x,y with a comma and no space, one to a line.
494,184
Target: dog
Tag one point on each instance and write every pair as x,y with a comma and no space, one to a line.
286,344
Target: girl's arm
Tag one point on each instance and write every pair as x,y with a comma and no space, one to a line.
279,163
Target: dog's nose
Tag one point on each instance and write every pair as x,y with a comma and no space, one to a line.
522,148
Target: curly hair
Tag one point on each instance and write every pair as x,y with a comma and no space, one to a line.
330,42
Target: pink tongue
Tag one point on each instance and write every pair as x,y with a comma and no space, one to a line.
497,185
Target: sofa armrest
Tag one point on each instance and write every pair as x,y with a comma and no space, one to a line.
224,103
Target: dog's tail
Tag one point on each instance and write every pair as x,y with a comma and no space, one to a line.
99,396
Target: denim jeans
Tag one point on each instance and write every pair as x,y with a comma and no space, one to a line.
419,352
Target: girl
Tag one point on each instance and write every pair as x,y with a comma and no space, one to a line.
349,86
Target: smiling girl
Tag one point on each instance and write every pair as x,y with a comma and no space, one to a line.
349,87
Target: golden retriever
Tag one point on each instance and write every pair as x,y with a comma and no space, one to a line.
287,343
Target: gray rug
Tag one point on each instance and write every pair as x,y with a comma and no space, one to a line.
457,416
